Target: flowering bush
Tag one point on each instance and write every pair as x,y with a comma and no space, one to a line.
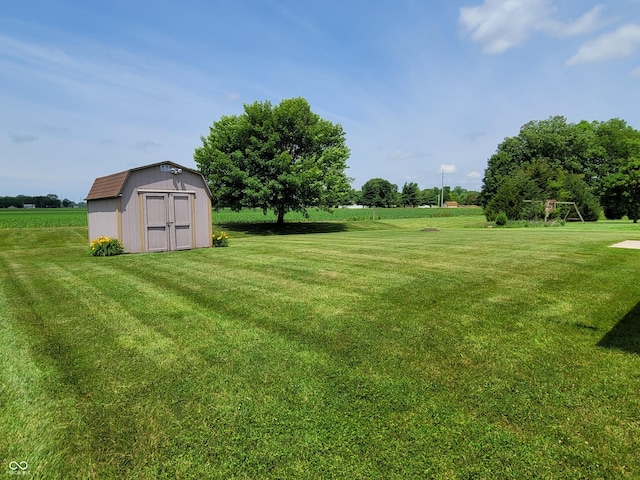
221,239
105,247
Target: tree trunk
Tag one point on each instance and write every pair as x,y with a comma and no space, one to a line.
280,217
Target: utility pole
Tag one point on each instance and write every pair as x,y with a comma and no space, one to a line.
442,190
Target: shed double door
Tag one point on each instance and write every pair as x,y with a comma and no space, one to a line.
168,221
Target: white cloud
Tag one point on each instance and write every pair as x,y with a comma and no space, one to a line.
587,23
447,168
473,179
619,43
501,24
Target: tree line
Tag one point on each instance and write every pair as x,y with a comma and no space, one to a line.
594,164
39,201
379,192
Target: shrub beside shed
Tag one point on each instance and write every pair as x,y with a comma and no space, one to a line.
155,208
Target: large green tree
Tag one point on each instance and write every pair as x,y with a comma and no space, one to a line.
282,158
379,192
553,143
551,155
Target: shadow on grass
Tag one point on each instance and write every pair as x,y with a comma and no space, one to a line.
289,228
626,334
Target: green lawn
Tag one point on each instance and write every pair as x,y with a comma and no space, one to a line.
372,350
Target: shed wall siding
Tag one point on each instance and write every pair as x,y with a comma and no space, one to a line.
202,219
103,216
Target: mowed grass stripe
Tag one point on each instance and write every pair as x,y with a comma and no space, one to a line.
28,423
46,445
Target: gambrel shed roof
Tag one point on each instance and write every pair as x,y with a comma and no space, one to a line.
111,186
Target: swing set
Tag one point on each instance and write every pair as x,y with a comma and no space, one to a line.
551,205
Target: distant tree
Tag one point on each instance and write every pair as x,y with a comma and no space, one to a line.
622,193
446,194
40,201
464,196
508,199
282,158
458,194
616,142
553,142
53,201
473,198
49,201
6,202
379,192
354,197
410,195
430,196
573,189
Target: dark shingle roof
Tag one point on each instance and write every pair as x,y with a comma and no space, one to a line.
108,187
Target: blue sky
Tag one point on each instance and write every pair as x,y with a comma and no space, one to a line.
92,88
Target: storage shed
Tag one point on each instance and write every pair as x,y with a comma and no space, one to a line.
155,208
